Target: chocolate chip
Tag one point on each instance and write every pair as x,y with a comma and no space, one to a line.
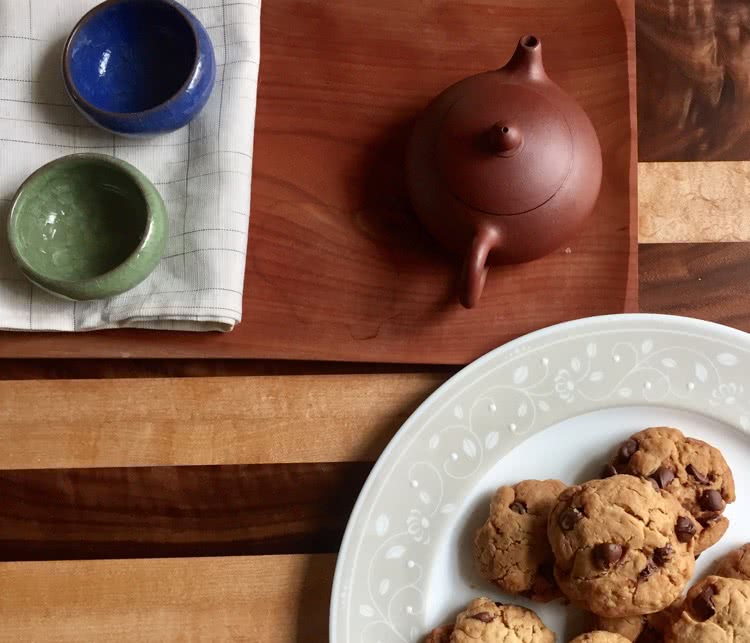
684,529
627,449
485,617
607,554
711,500
700,477
647,571
609,471
703,604
518,507
707,520
498,604
654,483
663,476
569,518
662,555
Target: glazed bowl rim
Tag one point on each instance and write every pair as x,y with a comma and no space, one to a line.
52,283
104,6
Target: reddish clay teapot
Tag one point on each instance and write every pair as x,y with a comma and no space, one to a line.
503,167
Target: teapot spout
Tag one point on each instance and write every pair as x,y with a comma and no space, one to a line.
527,59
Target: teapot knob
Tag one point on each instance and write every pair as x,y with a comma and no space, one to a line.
505,139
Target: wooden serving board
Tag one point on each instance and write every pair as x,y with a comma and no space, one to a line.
338,267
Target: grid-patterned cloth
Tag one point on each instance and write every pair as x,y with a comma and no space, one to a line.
202,171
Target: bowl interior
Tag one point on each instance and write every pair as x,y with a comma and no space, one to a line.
79,220
131,56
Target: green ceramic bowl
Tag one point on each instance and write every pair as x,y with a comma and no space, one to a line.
87,226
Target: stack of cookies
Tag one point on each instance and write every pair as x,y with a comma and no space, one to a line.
623,547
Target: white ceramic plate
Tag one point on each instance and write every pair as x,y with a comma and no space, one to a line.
552,404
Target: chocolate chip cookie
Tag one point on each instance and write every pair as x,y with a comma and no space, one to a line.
621,546
599,637
647,628
736,564
486,622
511,548
440,634
694,471
716,610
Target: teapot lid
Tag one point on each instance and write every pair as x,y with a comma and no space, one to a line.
503,147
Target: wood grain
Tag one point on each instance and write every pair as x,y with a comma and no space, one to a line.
283,599
141,512
709,281
695,202
338,267
252,420
693,80
35,369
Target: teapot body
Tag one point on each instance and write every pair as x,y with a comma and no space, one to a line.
503,167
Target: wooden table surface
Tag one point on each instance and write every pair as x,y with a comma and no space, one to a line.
206,500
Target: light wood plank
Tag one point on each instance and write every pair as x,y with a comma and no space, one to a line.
283,599
243,420
694,202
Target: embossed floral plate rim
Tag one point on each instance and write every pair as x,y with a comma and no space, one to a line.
465,427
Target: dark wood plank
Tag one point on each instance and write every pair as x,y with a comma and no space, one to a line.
338,267
693,79
176,511
709,281
36,369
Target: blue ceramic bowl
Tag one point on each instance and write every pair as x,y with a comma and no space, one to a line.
139,67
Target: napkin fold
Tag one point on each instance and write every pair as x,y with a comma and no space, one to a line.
203,172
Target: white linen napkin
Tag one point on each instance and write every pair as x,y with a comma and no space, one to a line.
202,171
